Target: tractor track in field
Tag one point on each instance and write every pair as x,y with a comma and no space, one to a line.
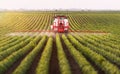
17,63
54,63
75,69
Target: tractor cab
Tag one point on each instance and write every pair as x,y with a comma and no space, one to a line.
60,24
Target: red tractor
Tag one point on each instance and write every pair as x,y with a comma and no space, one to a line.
60,24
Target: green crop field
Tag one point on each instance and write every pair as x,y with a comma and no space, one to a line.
25,49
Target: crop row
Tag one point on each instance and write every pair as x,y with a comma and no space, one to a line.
84,65
10,60
25,64
63,62
112,57
99,60
43,64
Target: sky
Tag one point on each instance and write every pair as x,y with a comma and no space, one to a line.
60,4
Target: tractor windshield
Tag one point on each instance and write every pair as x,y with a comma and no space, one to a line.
61,18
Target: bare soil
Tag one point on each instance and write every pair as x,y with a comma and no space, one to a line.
54,65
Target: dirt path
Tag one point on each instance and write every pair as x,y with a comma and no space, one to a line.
73,64
54,65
